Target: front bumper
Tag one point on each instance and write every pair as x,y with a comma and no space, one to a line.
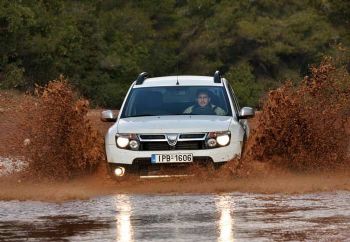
123,156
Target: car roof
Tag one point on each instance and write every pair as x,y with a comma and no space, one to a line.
182,80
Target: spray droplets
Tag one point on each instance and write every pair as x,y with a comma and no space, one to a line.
305,127
63,143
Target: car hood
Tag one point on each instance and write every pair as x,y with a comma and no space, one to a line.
174,124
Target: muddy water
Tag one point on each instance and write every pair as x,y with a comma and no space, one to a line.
225,217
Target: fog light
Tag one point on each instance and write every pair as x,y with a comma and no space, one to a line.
119,171
122,142
211,143
134,144
223,139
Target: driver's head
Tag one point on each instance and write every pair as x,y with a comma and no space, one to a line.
203,98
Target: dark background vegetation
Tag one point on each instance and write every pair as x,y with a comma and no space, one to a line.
102,45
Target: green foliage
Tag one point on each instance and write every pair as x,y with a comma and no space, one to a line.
339,11
244,83
13,77
101,46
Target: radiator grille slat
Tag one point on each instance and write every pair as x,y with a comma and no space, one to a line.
152,136
192,136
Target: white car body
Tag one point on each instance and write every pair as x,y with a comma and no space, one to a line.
179,124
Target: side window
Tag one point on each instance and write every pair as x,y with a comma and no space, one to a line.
234,99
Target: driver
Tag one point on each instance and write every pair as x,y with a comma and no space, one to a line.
203,105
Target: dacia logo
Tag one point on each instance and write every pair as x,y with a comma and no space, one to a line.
172,139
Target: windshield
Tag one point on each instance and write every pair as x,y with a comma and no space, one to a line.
178,100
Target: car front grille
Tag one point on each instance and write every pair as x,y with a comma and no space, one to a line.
186,141
181,145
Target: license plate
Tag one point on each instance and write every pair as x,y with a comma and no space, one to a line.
173,158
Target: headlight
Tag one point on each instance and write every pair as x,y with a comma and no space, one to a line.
211,142
122,142
134,144
223,140
220,138
127,141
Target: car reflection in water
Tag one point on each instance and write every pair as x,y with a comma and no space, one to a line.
223,224
124,228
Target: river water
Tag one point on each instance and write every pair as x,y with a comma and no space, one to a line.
221,217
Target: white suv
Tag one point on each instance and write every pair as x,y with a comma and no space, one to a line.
175,120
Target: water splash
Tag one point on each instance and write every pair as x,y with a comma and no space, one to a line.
306,127
63,143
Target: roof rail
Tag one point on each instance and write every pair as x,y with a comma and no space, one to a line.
141,78
217,77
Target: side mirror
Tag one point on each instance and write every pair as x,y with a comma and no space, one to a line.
108,116
246,113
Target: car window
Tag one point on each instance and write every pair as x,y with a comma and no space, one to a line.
177,100
234,99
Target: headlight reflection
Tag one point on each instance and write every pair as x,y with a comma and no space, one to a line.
124,228
226,221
